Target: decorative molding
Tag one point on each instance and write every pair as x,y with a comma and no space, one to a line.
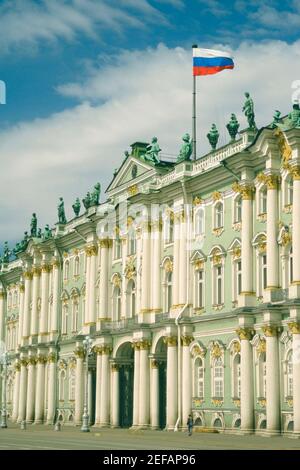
271,181
197,201
41,359
27,275
186,340
51,358
261,346
91,250
154,364
36,271
133,190
217,401
79,352
245,333
218,231
270,331
294,327
170,341
245,190
216,196
216,351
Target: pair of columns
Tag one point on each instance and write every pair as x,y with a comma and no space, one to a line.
180,259
102,386
273,408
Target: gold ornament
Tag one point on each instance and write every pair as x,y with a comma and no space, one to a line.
294,328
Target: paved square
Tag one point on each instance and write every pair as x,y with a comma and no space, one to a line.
71,438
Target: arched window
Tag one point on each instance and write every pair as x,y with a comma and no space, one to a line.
290,374
237,209
75,313
199,288
168,296
66,270
199,378
169,228
199,221
236,372
65,313
262,375
72,383
263,201
131,243
218,378
116,303
131,292
219,215
62,378
76,266
218,283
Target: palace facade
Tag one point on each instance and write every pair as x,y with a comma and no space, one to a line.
187,280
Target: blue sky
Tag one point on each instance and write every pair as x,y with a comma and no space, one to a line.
74,70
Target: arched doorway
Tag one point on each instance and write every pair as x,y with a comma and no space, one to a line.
161,359
125,359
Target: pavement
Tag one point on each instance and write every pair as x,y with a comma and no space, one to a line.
41,437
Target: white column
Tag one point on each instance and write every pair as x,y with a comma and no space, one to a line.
154,394
35,293
51,387
40,389
56,296
295,330
27,298
103,305
79,352
172,393
85,320
2,315
247,397
155,267
105,389
247,296
136,384
296,225
92,282
146,269
144,387
90,395
272,380
21,314
16,392
115,421
43,328
272,229
183,261
98,351
186,379
176,260
23,390
30,390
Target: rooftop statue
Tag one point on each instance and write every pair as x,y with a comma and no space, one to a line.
276,119
233,127
61,212
39,234
6,253
76,207
24,242
152,152
33,226
47,233
95,196
294,116
249,111
213,136
17,248
186,149
87,200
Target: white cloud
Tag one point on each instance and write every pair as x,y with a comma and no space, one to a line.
26,24
145,93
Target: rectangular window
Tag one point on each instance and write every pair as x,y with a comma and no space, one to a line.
219,285
200,289
200,382
117,248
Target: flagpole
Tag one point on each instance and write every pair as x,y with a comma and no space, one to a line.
194,140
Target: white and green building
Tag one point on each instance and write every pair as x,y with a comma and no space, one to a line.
187,279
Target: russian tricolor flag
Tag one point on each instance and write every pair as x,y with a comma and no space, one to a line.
209,61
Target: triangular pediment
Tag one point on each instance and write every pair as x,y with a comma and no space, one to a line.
132,171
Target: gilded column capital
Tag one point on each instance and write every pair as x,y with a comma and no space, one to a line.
105,243
294,327
270,331
245,333
107,350
295,172
79,352
24,362
55,264
27,275
91,250
46,268
22,288
97,350
170,341
17,366
51,357
245,190
271,181
154,364
145,344
32,361
114,367
41,359
36,271
2,295
186,340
